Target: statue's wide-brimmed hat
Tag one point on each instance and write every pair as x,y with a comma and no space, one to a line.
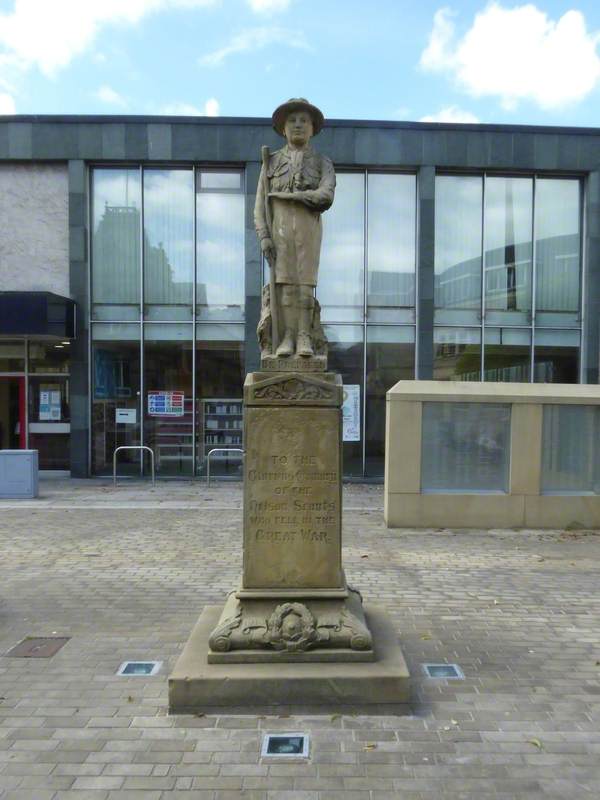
282,112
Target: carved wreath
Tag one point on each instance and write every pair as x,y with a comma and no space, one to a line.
292,627
293,389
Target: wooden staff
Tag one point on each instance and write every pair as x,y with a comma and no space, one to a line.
272,288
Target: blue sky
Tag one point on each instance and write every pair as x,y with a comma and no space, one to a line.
468,60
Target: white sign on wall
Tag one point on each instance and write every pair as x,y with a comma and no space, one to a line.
128,416
351,413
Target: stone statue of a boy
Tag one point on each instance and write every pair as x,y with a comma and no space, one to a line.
296,185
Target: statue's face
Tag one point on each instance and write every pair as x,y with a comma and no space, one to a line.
298,128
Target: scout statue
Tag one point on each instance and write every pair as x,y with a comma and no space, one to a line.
296,185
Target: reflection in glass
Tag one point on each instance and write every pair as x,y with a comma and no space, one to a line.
346,357
570,449
457,354
12,356
168,403
557,227
168,240
465,447
341,270
219,387
458,204
116,203
508,246
556,356
116,385
391,239
48,357
507,355
220,291
390,358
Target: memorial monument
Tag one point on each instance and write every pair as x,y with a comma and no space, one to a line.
293,631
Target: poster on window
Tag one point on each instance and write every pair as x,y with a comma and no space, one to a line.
49,405
165,404
351,413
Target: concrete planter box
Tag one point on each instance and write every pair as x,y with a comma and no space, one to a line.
545,439
18,474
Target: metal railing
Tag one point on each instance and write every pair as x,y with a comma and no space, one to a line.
219,450
132,447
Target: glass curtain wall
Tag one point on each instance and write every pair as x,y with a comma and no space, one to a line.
507,278
367,294
167,250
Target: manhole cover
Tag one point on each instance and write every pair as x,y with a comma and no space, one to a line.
38,647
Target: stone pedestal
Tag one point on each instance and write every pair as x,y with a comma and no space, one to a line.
293,607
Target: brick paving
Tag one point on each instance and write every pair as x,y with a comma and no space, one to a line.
125,573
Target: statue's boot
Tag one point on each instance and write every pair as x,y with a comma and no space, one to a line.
286,348
304,344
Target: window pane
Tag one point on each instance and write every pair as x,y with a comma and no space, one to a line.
507,355
391,240
116,241
465,447
341,272
116,385
49,358
220,291
49,417
556,356
458,214
346,357
557,227
390,358
168,405
219,390
168,242
508,247
212,179
457,354
12,356
571,449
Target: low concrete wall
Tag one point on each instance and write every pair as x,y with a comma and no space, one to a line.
522,504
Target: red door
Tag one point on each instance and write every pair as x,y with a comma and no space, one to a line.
13,429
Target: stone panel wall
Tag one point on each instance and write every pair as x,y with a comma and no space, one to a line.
34,233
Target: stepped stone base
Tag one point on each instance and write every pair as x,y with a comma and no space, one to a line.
197,686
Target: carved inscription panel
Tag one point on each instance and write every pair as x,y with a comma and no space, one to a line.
292,498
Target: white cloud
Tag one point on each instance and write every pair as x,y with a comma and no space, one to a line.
450,114
517,54
108,95
50,33
255,39
211,109
268,6
7,104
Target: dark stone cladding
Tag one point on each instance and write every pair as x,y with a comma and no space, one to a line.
347,142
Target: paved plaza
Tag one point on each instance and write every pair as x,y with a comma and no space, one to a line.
125,572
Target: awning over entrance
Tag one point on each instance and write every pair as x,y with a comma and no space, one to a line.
36,314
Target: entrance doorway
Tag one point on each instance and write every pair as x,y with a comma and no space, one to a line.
12,413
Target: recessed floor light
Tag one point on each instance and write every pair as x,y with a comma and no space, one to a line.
133,668
285,745
446,671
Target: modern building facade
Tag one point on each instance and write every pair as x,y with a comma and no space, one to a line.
130,276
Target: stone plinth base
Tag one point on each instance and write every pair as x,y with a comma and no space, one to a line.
197,686
266,629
